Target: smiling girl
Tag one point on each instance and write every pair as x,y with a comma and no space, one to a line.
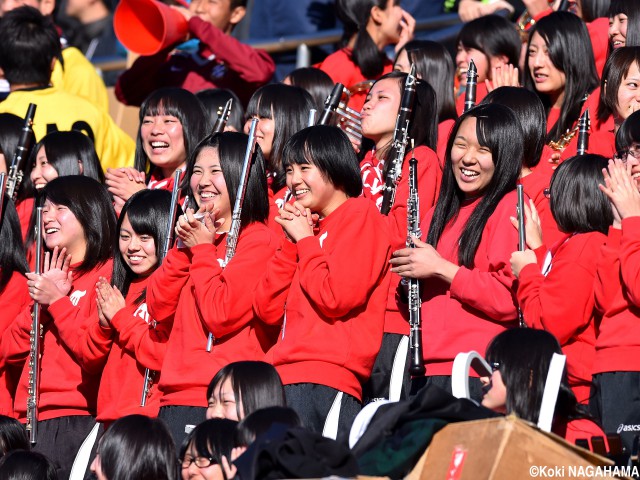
78,225
624,30
122,309
327,285
467,286
172,122
204,297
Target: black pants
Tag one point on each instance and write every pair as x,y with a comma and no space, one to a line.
615,402
320,407
444,382
60,438
181,420
390,378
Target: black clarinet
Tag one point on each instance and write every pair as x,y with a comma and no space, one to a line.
522,238
331,103
583,133
223,117
472,83
23,149
400,138
416,365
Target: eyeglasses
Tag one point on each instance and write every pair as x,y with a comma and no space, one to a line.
201,462
623,155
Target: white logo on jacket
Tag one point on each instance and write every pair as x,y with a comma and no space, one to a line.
322,238
142,312
76,296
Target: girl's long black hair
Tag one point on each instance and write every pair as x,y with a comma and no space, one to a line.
497,129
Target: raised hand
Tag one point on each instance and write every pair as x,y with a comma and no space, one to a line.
110,301
532,226
407,27
196,229
122,183
503,76
621,189
296,220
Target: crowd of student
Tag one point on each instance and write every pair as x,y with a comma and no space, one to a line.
309,311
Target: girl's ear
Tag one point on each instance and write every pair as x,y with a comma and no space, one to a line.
81,167
376,14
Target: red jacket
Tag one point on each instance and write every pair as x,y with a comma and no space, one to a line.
276,202
69,369
329,294
136,346
206,298
479,303
617,299
341,69
221,62
544,304
13,300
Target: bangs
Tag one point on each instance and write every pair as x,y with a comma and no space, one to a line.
261,105
472,38
140,220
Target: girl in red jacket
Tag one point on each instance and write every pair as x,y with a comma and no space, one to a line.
137,344
369,26
327,285
624,30
193,295
172,122
14,296
464,265
568,269
378,124
78,231
616,369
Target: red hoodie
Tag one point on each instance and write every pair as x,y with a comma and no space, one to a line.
479,303
13,300
136,346
535,184
206,298
617,299
544,304
329,294
69,369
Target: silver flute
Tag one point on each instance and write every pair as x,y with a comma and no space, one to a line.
34,351
234,230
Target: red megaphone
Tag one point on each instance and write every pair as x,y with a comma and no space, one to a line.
148,26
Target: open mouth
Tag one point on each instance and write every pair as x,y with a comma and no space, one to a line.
157,145
469,174
51,230
301,192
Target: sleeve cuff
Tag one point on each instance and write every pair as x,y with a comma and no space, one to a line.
308,246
